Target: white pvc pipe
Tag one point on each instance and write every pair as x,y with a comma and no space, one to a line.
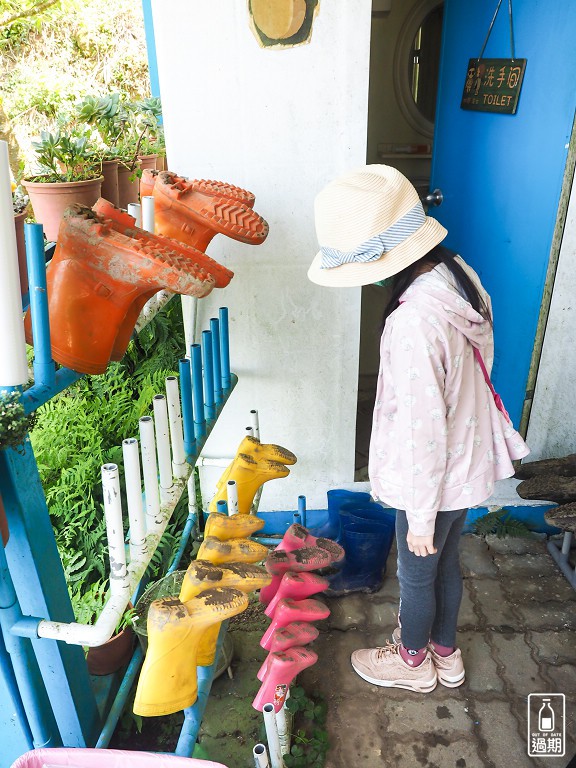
260,756
135,209
13,365
255,423
114,528
250,431
232,497
191,485
150,471
190,318
202,461
179,468
147,202
133,482
566,543
162,442
284,725
276,760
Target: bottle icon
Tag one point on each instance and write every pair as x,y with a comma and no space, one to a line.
546,717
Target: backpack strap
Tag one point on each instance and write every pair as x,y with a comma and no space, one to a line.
495,395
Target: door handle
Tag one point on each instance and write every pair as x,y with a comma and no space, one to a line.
433,199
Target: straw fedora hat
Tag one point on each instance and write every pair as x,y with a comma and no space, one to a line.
370,225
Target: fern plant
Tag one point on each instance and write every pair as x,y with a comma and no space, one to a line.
500,523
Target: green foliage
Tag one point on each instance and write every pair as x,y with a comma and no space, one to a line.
501,524
51,60
310,740
82,428
14,423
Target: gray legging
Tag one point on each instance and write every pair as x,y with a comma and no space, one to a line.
431,586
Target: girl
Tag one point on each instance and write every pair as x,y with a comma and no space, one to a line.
440,434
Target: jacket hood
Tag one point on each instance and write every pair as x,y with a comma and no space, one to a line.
438,290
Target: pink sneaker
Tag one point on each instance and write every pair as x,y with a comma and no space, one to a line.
288,611
281,670
385,667
297,586
450,669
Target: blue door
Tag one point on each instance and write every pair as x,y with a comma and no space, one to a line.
501,175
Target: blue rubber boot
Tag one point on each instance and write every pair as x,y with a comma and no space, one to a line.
337,497
367,545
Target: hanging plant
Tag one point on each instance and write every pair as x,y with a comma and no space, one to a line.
14,423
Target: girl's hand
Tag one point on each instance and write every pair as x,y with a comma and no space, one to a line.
421,545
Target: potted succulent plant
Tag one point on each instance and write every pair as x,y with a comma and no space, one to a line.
130,133
70,172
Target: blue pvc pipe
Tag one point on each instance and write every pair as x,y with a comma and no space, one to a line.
302,509
222,507
224,347
120,700
197,395
189,526
216,359
39,394
209,405
187,407
44,367
23,663
193,715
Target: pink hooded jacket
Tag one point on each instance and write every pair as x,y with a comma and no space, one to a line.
438,440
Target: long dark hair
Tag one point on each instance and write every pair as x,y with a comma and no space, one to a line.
438,255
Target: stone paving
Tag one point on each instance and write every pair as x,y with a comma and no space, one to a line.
517,631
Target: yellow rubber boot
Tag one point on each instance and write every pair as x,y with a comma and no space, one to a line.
226,527
202,575
232,551
243,576
168,680
251,446
249,475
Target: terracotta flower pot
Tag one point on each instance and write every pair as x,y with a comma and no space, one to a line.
21,248
50,200
113,655
110,183
128,185
148,162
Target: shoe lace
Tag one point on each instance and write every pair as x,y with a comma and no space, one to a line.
386,650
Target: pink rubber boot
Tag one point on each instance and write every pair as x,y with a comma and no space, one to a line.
278,563
282,669
297,586
289,610
297,633
297,537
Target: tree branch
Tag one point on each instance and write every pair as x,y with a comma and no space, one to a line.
38,8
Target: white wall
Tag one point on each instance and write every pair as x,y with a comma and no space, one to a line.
281,123
552,426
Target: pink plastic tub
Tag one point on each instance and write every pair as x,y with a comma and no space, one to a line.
106,758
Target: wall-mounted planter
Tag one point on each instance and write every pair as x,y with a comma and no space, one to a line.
50,199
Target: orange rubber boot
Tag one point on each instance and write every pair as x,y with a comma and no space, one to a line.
147,181
125,224
93,279
168,681
249,475
195,211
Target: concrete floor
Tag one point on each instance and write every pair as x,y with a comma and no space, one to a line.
517,632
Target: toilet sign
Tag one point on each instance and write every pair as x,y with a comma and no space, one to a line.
493,85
